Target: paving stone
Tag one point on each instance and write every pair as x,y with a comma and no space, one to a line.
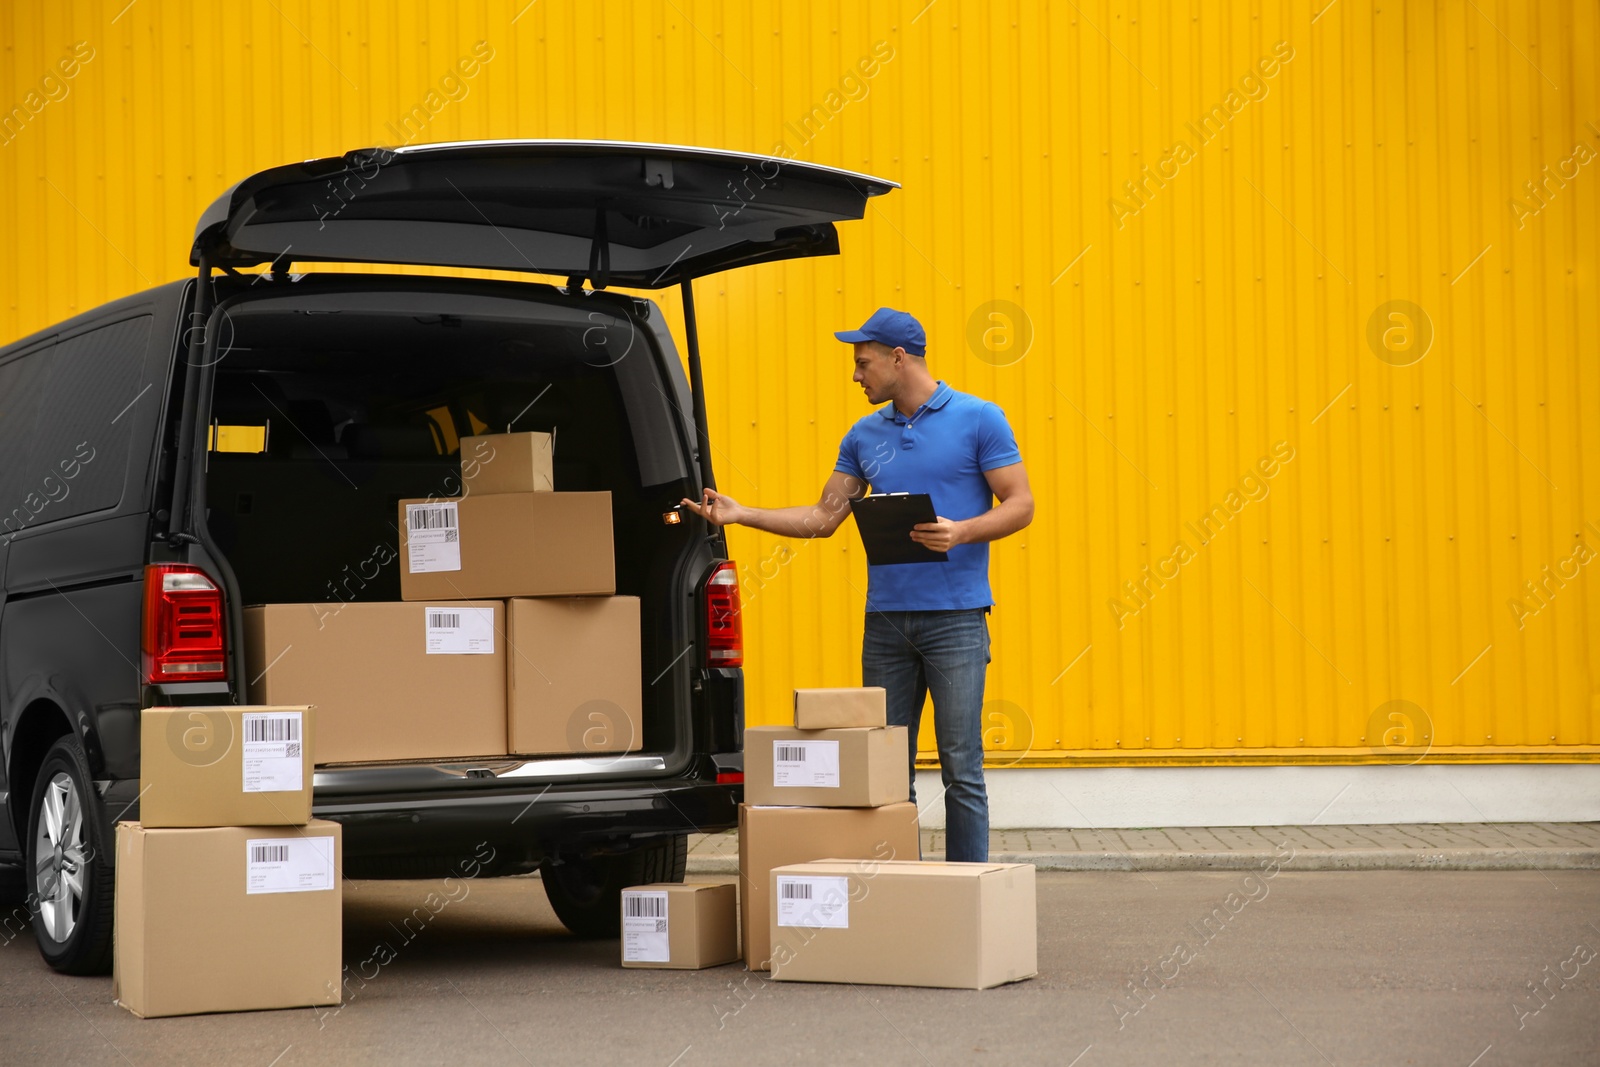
1555,846
1455,846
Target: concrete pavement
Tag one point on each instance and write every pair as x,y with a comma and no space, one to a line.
1434,846
1305,968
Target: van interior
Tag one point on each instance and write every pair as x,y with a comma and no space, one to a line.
321,422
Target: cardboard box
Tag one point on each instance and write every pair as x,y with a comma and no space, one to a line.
855,768
678,926
834,709
386,684
573,675
227,918
503,545
774,837
507,463
947,925
225,766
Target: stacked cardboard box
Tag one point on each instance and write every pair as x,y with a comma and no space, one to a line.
837,789
228,893
507,640
504,545
901,922
826,709
390,681
834,891
573,675
572,671
508,463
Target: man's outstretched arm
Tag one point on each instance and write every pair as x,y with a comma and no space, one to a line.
803,520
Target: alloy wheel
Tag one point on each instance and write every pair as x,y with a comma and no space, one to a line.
60,857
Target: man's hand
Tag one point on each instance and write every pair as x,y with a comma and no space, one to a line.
719,509
940,535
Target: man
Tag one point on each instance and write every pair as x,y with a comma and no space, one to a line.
927,623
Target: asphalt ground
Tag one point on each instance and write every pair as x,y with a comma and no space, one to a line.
1341,967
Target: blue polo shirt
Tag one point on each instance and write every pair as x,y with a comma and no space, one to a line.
942,450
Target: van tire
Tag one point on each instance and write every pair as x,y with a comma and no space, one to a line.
586,891
86,946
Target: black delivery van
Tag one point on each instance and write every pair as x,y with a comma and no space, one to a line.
131,542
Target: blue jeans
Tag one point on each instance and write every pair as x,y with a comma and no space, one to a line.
913,653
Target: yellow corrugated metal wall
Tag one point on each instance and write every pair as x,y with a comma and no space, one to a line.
1271,503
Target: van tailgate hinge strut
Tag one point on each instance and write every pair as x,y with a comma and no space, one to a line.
697,386
194,344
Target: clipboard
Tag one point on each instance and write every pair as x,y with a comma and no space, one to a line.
885,521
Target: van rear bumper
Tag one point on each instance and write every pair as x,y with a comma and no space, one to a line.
439,811
525,825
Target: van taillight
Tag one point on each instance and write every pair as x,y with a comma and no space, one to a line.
182,638
724,626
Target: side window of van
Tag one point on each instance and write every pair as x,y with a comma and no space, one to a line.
76,402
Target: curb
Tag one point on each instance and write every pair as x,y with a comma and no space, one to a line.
1448,859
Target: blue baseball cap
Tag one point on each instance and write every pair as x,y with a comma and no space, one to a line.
894,328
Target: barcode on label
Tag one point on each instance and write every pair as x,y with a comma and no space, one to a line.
819,902
450,630
644,907
272,751
434,537
805,764
645,937
422,517
290,864
284,729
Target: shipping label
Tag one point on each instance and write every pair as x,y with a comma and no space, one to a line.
459,631
644,926
818,902
288,864
433,537
272,754
806,763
